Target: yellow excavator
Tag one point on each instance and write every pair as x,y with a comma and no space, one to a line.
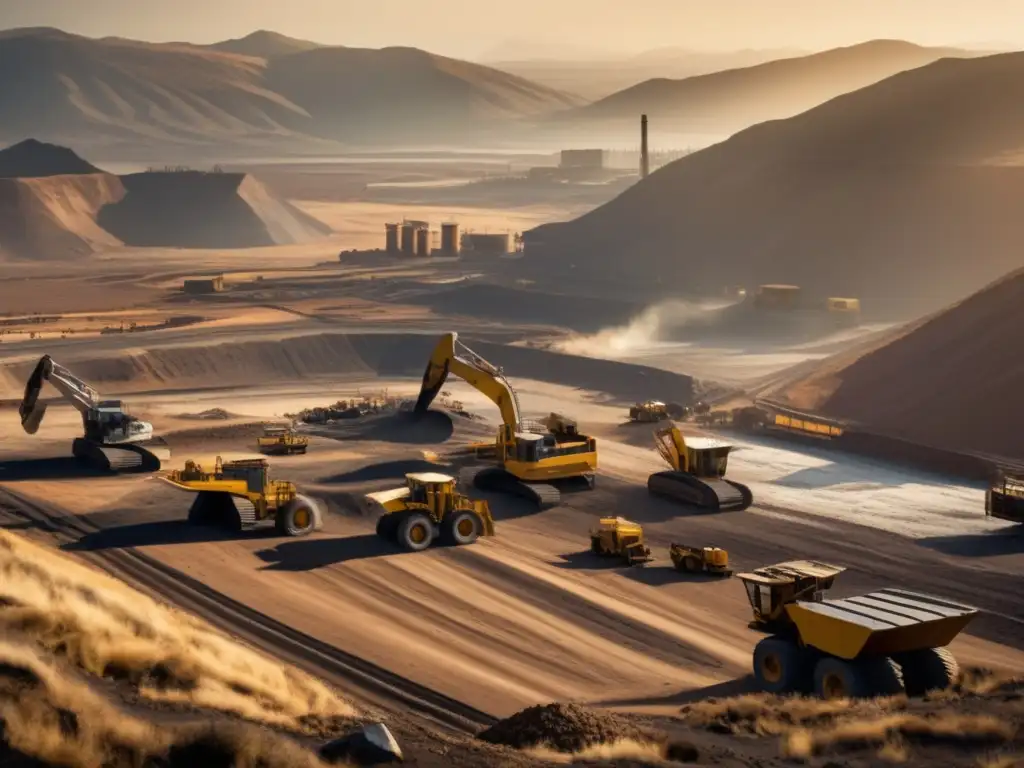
697,477
529,455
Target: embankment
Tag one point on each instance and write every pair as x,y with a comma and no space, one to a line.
194,209
342,356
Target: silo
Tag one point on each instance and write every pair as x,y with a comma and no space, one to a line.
450,238
391,238
408,239
423,242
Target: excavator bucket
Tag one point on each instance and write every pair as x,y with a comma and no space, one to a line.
437,371
880,623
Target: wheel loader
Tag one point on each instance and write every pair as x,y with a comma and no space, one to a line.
712,560
1004,498
618,537
429,508
238,495
879,644
697,477
281,441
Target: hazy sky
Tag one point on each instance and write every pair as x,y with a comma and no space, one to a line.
473,27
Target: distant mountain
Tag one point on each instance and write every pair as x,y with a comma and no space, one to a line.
127,95
32,159
904,193
594,77
264,45
734,99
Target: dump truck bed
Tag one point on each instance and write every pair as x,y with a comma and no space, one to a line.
880,623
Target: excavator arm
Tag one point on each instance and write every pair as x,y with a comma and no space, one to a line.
671,444
450,356
74,390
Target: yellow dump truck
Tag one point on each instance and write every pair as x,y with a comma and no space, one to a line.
281,441
618,537
429,508
713,560
238,495
879,644
1004,498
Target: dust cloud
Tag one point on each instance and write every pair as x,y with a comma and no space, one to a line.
659,322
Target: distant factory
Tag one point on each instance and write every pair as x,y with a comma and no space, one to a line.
416,239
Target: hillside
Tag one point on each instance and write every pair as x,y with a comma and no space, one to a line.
121,95
35,159
597,77
736,98
891,193
264,44
953,381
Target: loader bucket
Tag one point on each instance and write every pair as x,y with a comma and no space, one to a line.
880,623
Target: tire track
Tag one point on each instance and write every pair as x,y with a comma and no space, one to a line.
360,679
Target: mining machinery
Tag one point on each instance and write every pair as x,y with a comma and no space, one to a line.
618,537
530,455
278,440
428,509
697,477
238,495
883,643
1004,498
113,440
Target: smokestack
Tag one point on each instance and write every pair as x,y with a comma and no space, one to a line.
645,167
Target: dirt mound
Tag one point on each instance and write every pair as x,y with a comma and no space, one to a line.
210,414
951,381
35,159
893,193
55,217
351,356
416,428
192,209
563,728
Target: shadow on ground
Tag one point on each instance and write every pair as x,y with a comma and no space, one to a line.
1005,541
161,532
387,470
420,429
57,468
737,687
313,553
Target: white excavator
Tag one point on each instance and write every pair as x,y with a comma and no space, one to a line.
114,439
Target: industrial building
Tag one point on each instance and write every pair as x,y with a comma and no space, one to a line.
591,159
486,244
204,285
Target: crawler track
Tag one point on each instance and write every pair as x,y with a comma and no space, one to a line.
365,682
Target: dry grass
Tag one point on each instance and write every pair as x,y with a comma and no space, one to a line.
627,749
49,717
105,628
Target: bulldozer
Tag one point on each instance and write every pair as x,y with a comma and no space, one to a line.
1004,498
529,455
655,410
618,537
712,560
698,471
281,441
429,508
240,494
882,643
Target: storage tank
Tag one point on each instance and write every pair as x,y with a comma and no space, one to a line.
450,238
391,238
423,242
409,239
486,244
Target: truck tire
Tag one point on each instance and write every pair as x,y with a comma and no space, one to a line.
415,532
859,679
929,669
461,527
299,517
780,666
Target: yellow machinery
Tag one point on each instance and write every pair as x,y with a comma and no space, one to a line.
713,560
281,441
429,508
879,644
529,456
239,495
618,537
698,470
1004,498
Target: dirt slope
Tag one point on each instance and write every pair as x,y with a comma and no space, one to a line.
55,217
890,193
737,98
953,381
205,210
131,95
